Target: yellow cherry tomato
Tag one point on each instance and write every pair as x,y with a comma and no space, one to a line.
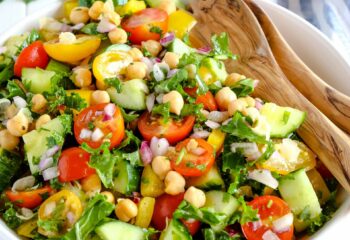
181,22
319,185
82,47
109,65
68,6
145,212
216,139
130,7
26,229
84,94
58,207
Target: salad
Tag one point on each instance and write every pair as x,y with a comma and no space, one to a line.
113,126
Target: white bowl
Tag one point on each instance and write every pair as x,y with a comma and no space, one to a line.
286,22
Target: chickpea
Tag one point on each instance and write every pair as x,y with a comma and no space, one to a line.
223,97
7,140
136,70
39,103
233,78
252,112
109,196
236,105
195,197
172,59
161,166
96,10
118,35
250,101
42,120
174,183
113,17
136,54
126,210
152,46
81,77
79,15
18,125
176,101
168,6
191,70
100,96
91,184
11,111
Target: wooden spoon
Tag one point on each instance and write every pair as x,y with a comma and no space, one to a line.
330,101
256,60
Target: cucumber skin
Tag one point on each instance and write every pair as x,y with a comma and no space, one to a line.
211,180
175,231
179,47
296,189
119,230
155,3
127,179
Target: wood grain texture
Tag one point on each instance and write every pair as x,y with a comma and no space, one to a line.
256,60
334,104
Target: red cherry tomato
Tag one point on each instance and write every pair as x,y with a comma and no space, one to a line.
73,165
32,56
269,208
206,99
174,131
147,24
195,162
29,199
164,208
93,118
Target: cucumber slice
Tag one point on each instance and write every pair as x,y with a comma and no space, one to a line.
296,189
216,69
119,230
283,120
132,96
127,178
175,231
156,3
38,80
119,47
179,47
209,181
57,67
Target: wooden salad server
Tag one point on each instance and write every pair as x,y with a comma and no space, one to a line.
256,60
334,104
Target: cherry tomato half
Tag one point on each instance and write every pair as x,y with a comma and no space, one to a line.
73,165
94,118
192,163
173,131
147,24
164,208
206,99
29,199
269,208
32,56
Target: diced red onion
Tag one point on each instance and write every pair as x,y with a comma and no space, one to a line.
269,235
167,39
204,50
250,150
258,103
255,83
148,63
110,109
105,26
157,60
66,28
49,208
172,72
159,98
77,26
283,224
218,84
45,163
50,173
212,125
217,116
26,214
198,151
71,217
98,113
158,74
159,147
146,153
256,225
227,121
19,102
150,101
51,151
263,176
200,134
85,134
23,183
2,49
97,135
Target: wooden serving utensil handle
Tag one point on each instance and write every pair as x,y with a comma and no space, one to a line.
256,60
334,104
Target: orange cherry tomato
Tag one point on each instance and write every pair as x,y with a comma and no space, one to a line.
174,131
29,199
206,99
192,163
31,57
73,165
147,24
94,117
269,208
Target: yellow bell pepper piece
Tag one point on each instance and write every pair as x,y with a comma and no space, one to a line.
145,212
151,185
68,6
26,229
319,185
181,22
131,7
216,139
